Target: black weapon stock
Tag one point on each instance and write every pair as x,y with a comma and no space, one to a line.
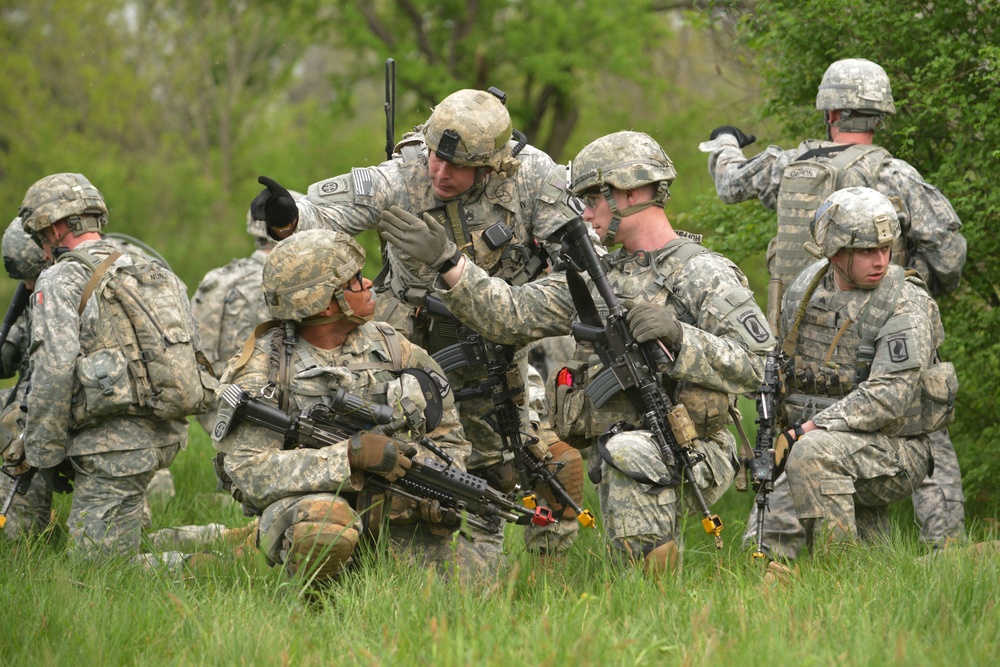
634,364
503,384
17,305
462,496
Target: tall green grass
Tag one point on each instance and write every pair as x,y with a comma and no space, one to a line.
866,605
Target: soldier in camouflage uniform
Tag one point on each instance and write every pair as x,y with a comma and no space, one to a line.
114,459
229,303
24,261
693,300
860,425
313,504
855,96
500,201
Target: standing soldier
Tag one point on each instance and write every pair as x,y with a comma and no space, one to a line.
500,201
229,303
694,301
862,382
313,503
108,397
855,97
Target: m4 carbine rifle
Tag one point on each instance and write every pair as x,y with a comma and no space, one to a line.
504,385
462,496
634,365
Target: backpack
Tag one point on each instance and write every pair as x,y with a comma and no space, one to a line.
144,360
805,183
227,305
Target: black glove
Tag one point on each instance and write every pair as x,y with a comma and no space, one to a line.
274,205
59,478
743,139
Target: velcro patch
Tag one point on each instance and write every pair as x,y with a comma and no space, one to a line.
329,187
364,183
753,325
898,352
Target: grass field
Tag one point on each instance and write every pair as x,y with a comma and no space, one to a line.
869,605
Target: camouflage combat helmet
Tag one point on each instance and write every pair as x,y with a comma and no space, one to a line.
63,196
856,85
258,229
306,270
471,128
622,160
22,257
853,218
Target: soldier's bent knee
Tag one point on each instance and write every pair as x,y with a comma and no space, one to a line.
322,539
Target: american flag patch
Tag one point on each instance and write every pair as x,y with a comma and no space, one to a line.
38,299
363,183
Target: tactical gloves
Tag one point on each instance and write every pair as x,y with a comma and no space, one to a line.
783,445
570,476
377,453
274,205
743,139
649,321
424,240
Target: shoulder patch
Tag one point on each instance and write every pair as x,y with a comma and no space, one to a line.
898,351
752,324
329,187
575,203
364,184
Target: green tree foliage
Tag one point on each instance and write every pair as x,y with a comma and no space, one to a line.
944,64
538,51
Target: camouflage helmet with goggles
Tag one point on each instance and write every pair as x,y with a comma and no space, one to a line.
471,128
68,197
258,228
622,160
304,272
855,219
22,257
858,88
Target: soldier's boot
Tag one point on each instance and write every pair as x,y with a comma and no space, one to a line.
663,559
321,541
245,538
779,573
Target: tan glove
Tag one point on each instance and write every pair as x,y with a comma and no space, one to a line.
782,446
651,321
570,476
426,240
377,453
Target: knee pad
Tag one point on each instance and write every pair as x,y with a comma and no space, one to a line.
663,558
321,540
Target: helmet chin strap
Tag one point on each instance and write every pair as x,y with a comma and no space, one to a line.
616,216
346,313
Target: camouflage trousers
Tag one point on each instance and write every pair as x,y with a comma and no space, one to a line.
833,474
938,503
108,497
636,519
450,553
28,513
